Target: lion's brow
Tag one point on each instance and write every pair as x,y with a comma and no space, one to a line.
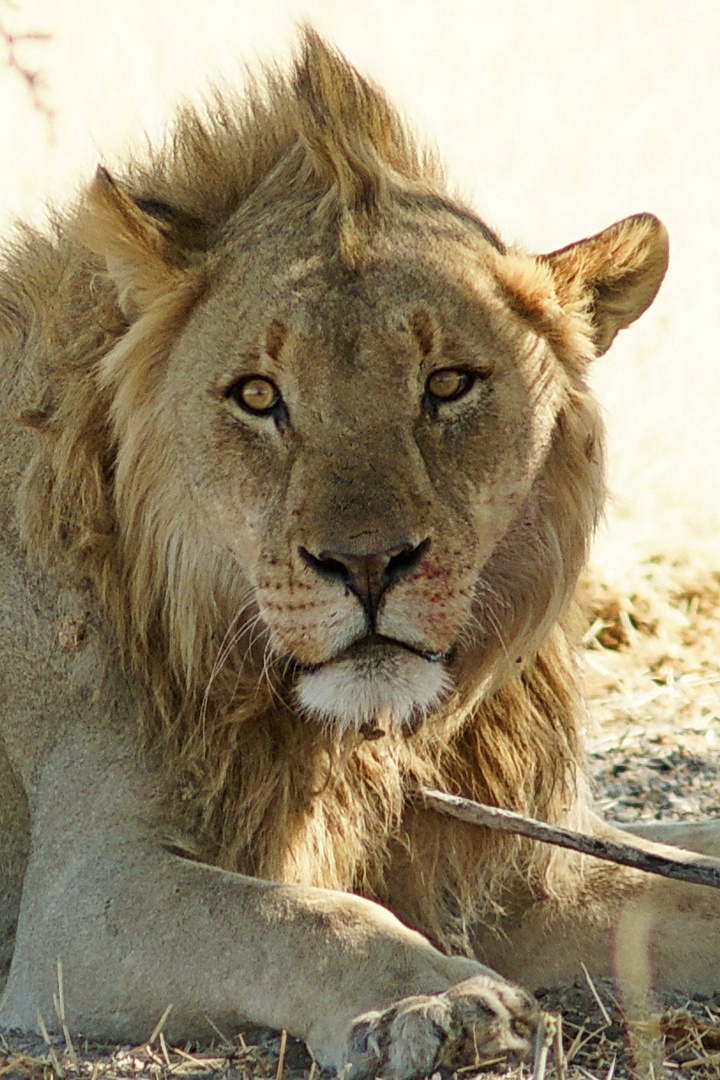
434,202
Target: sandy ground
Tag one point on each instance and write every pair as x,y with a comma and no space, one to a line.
556,118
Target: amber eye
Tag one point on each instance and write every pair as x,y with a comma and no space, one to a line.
255,394
448,384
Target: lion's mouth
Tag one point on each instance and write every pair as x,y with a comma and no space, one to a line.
376,647
376,679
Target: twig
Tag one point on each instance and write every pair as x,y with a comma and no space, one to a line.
598,999
160,1024
163,1047
59,1002
226,1042
578,1042
479,1063
586,1073
561,1069
281,1056
702,870
708,1059
544,1037
60,1072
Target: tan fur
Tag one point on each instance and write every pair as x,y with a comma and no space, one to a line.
211,604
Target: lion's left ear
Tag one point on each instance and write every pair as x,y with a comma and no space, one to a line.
138,242
621,270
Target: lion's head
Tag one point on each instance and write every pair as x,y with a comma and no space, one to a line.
363,453
340,438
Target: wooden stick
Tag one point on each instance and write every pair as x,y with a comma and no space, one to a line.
704,871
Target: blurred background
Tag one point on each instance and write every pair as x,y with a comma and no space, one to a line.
555,118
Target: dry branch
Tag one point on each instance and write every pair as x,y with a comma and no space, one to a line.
697,869
13,43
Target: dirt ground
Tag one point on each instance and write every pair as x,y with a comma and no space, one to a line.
651,653
652,668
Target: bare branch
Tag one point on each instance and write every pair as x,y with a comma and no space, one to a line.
33,79
698,869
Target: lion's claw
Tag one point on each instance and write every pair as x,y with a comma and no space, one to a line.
474,1020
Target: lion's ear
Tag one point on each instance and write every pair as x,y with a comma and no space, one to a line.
136,241
620,269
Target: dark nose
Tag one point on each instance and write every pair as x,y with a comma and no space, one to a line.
370,574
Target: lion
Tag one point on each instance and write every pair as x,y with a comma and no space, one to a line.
301,467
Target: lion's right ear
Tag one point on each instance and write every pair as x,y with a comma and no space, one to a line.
137,246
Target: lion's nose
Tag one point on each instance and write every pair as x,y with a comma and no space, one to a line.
369,574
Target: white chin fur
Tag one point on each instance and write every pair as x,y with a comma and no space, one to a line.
347,694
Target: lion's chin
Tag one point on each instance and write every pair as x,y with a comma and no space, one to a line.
392,686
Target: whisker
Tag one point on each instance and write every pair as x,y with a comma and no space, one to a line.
269,672
230,639
488,618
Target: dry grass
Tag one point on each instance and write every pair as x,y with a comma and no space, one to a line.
652,659
584,1037
242,1058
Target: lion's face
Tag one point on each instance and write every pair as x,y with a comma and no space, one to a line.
361,442
342,437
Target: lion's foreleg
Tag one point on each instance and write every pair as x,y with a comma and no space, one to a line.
138,928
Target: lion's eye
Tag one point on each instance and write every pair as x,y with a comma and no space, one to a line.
448,384
255,394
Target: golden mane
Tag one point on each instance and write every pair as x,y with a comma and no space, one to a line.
272,794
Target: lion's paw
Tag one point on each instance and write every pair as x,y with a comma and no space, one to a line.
471,1022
